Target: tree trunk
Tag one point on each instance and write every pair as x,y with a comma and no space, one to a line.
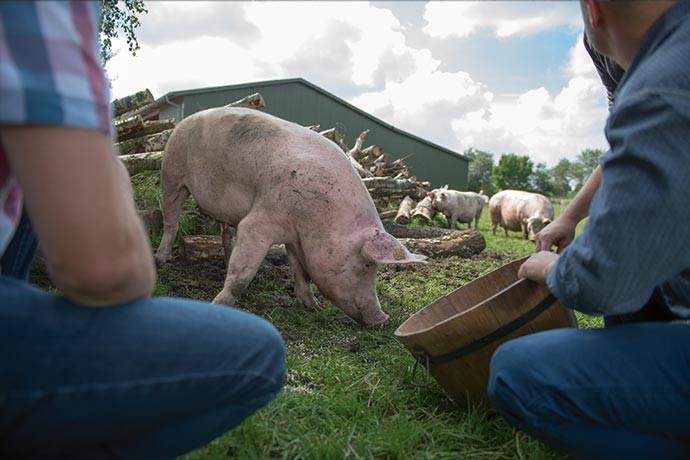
354,151
460,243
373,151
202,247
424,209
128,125
151,143
146,128
207,247
138,162
406,207
132,102
253,101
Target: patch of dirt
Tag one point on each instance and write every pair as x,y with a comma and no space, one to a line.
273,284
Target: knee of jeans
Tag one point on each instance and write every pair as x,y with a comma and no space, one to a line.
273,347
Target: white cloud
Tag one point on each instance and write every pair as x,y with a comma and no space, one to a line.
363,50
504,19
543,126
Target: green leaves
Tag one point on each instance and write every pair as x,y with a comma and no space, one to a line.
122,15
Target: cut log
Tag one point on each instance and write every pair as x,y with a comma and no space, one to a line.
253,101
128,125
334,135
387,214
146,128
404,211
147,112
354,151
460,243
373,151
424,209
207,247
132,102
202,247
138,162
150,143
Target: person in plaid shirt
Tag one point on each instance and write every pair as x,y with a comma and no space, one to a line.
102,370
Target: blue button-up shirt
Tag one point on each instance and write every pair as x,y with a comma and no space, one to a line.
638,233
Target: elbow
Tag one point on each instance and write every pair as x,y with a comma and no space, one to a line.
101,282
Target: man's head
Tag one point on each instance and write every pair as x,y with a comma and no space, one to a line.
616,28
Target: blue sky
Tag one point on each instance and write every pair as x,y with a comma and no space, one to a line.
504,77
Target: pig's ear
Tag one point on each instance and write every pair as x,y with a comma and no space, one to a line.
431,195
445,187
547,221
383,248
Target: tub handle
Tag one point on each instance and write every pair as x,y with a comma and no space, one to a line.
423,358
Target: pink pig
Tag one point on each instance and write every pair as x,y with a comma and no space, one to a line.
278,182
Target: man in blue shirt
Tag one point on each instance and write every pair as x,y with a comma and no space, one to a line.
624,391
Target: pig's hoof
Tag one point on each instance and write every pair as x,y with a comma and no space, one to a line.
160,261
310,303
224,299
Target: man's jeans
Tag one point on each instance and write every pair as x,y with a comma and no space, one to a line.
153,378
19,254
618,393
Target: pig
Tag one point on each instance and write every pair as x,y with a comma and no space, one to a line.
516,210
273,181
458,206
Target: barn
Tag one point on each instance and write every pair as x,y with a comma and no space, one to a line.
302,102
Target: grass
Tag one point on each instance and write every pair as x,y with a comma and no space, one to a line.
348,392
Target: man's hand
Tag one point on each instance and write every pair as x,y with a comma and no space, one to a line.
559,233
537,267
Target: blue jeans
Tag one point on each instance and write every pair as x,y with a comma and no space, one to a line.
19,253
614,393
153,378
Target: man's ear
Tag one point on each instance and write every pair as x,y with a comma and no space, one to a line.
594,15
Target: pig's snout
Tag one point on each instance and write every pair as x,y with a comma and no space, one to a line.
376,320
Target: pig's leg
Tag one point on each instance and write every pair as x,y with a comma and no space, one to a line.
303,290
252,241
172,202
227,234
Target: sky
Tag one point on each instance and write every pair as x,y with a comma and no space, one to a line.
498,76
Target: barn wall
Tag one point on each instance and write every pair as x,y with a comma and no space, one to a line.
297,101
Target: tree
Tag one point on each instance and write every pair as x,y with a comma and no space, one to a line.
513,172
479,174
119,15
561,178
541,180
584,164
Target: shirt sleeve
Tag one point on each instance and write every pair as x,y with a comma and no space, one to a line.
637,234
50,68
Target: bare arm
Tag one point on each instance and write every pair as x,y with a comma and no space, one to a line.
561,231
80,201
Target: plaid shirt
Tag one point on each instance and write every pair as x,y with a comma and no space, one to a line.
50,74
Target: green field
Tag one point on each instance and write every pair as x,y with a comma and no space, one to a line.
348,392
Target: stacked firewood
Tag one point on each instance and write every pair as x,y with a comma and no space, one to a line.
387,180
